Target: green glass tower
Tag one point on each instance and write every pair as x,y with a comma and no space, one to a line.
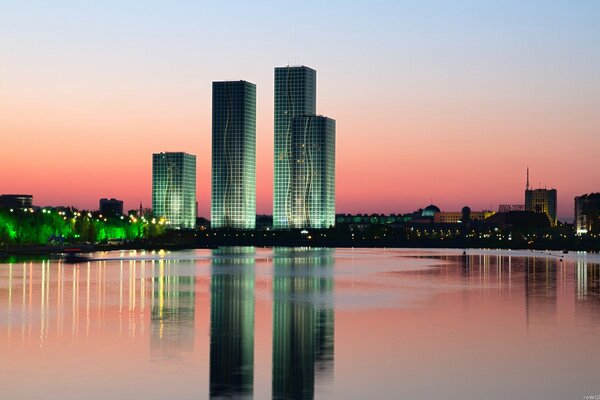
295,95
312,189
174,189
234,155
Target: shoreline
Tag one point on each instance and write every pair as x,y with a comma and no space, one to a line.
71,250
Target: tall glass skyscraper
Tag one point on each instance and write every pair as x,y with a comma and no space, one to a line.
295,95
234,155
312,188
174,189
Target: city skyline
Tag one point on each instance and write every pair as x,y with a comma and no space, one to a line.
444,104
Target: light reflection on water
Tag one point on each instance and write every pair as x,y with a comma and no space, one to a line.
301,323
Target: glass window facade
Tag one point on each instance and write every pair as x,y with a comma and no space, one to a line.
295,95
234,155
312,188
174,189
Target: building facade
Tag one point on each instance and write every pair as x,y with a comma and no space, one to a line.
174,189
587,214
312,173
234,155
111,207
542,201
456,217
16,200
295,95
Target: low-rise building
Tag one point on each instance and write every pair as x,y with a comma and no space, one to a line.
16,200
111,207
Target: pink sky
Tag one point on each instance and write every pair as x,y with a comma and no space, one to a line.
451,112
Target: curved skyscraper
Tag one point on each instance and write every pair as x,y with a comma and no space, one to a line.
174,189
304,176
295,95
312,188
234,155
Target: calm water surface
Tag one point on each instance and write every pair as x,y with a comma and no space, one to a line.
301,323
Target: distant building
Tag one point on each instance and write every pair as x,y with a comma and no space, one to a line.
526,220
174,189
511,207
295,96
312,173
457,217
587,213
111,207
430,211
16,200
233,202
541,201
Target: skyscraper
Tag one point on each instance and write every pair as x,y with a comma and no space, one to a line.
295,95
234,155
174,189
541,201
312,188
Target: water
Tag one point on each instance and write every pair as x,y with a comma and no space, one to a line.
300,323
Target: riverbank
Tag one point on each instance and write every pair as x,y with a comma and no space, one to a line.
38,251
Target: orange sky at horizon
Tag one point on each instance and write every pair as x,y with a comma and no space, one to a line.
451,114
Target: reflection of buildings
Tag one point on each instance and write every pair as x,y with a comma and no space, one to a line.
174,188
173,307
233,155
540,290
303,321
587,291
232,323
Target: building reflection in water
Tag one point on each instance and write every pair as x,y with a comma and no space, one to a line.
232,323
173,308
303,321
587,296
541,290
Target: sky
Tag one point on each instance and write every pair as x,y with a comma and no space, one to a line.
435,101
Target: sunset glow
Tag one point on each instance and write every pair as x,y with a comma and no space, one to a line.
439,102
